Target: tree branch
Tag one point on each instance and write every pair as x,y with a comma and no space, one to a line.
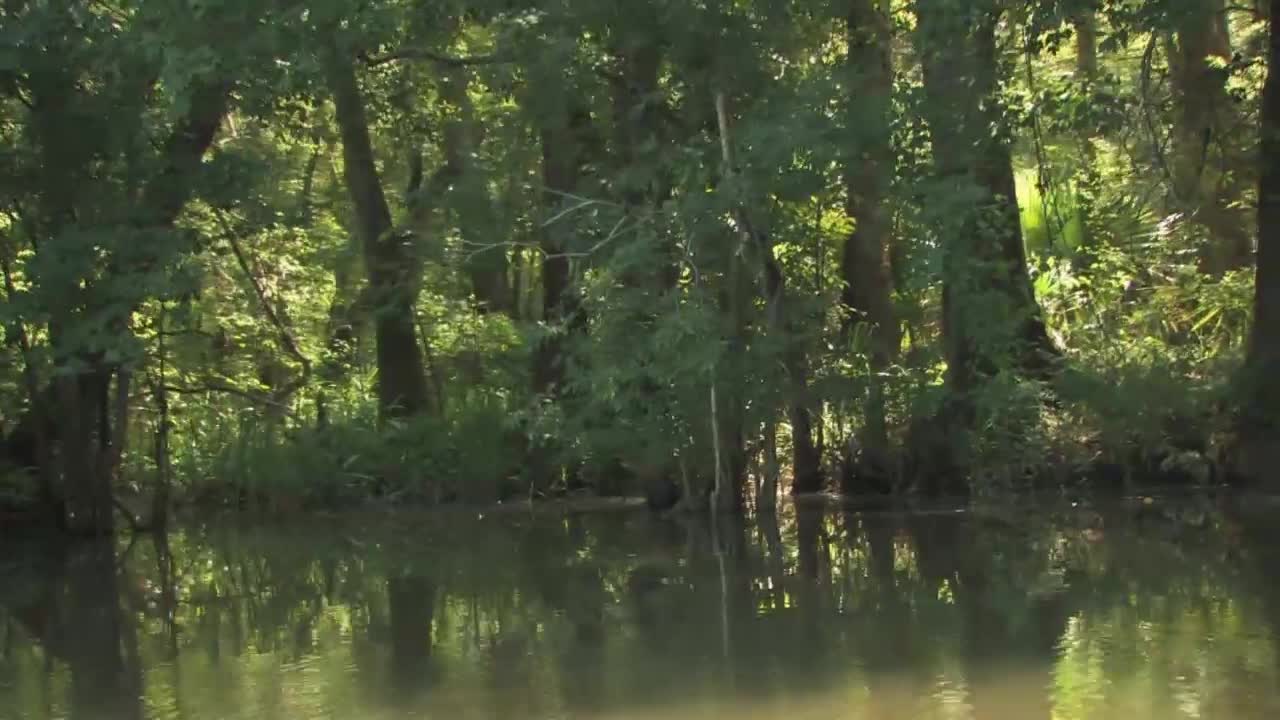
287,341
211,386
167,192
433,56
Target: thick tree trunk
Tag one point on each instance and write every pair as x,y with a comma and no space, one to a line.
1258,446
76,401
81,401
985,268
1209,167
389,258
867,295
991,319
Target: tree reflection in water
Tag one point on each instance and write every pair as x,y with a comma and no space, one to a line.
1133,611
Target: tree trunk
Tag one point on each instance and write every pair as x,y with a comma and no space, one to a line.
806,460
562,139
1085,24
561,164
81,401
731,426
389,258
640,130
86,504
1209,167
1258,442
82,410
486,259
807,473
643,183
985,268
867,295
991,319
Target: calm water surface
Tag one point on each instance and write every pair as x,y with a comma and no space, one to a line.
1129,610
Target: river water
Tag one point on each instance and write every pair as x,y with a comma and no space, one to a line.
1132,610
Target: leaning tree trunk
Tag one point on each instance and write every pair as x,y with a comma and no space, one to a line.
1258,448
1209,167
867,295
991,320
389,258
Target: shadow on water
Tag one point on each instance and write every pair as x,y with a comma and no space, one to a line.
1134,610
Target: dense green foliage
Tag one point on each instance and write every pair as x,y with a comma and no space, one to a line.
285,253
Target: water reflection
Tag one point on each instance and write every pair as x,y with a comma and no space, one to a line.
1131,610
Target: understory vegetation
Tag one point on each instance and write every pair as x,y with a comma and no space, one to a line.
288,254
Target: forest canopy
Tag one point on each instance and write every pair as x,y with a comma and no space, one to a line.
284,254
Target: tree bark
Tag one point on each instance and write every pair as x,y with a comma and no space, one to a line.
1209,168
867,294
393,269
86,502
1085,24
991,319
81,400
1258,443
